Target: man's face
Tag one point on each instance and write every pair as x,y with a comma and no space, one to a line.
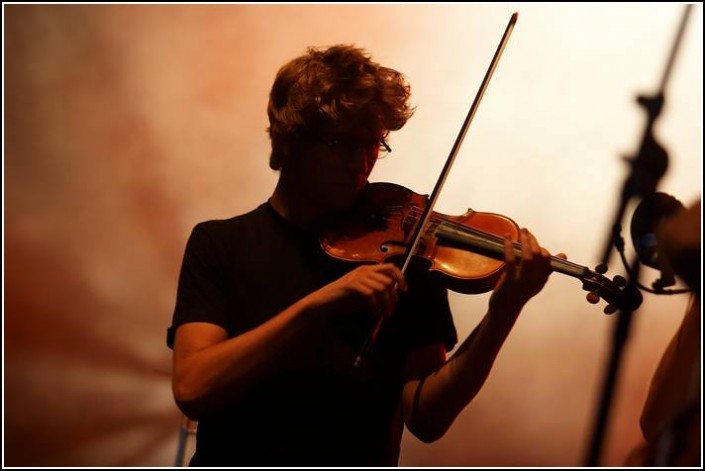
335,168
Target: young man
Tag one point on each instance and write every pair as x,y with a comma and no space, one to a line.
267,326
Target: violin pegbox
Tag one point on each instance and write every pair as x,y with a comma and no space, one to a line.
613,291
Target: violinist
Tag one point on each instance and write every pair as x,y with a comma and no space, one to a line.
267,326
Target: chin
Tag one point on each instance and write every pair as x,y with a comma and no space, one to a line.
338,202
337,205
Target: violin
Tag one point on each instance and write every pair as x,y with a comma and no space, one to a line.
465,252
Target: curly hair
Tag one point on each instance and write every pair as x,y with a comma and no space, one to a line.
329,88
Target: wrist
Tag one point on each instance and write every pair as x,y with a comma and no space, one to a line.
505,307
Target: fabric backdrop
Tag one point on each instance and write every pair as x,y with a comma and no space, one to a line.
125,125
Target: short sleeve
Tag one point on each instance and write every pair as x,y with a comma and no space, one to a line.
201,294
427,317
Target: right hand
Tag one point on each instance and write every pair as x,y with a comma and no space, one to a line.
374,286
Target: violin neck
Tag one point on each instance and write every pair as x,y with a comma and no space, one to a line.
492,246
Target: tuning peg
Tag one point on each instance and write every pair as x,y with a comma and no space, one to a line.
601,268
610,309
619,281
592,297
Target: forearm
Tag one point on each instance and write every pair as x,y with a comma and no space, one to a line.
210,369
431,405
208,377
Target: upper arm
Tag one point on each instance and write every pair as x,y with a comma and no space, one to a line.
193,337
202,294
420,363
423,361
190,339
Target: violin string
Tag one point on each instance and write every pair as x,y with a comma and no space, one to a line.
489,237
437,218
412,216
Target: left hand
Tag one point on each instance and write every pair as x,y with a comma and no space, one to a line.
523,278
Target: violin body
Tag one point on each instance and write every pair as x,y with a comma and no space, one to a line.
379,229
466,252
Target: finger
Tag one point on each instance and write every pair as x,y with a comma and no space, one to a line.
526,254
401,282
527,251
533,243
381,288
368,294
562,255
387,297
509,256
546,258
385,303
391,290
393,271
376,284
545,254
385,281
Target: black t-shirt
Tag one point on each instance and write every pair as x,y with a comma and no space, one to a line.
240,272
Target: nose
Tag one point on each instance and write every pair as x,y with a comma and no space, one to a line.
359,160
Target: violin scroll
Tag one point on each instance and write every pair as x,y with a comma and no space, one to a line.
616,292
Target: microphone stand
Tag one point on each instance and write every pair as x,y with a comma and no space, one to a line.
647,168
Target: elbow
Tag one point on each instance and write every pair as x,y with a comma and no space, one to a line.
428,432
190,410
428,419
187,400
427,437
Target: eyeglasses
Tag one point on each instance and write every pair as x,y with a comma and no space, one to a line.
353,144
384,148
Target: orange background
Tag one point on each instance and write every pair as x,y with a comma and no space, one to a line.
125,125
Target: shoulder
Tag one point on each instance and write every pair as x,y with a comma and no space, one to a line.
233,223
229,229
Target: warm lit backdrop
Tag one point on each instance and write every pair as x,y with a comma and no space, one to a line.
124,126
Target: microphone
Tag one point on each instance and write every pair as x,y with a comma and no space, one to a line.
649,214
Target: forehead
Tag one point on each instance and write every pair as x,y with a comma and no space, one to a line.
353,131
